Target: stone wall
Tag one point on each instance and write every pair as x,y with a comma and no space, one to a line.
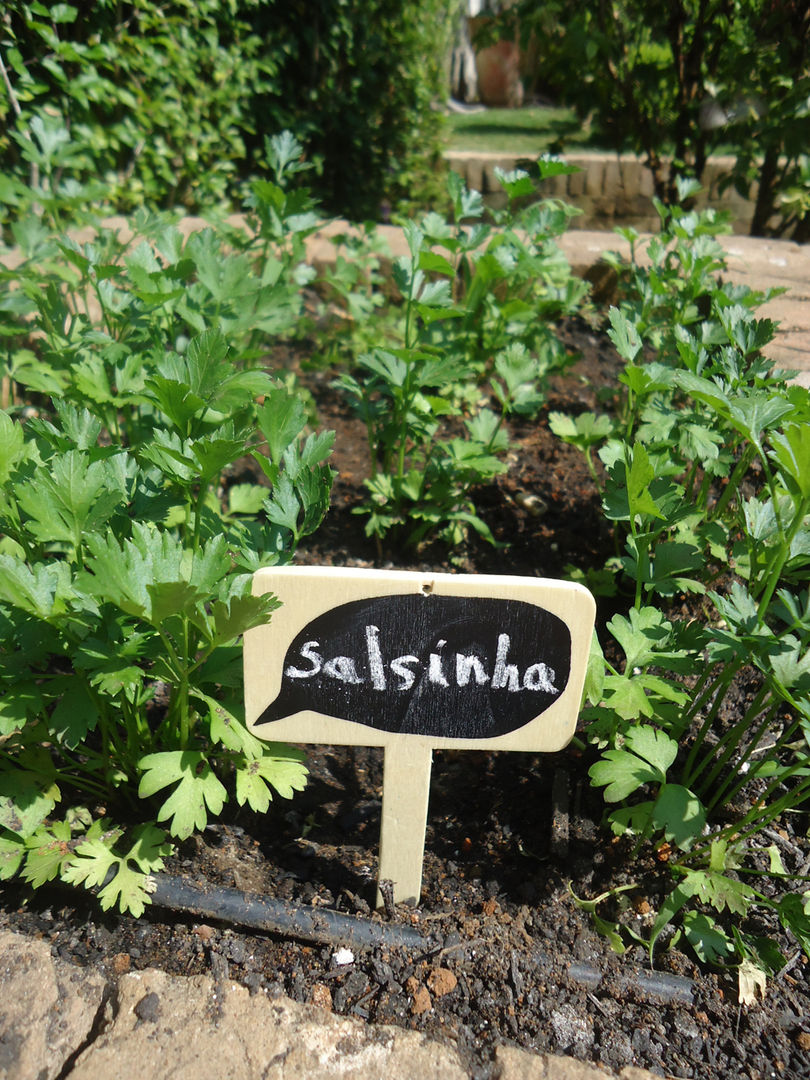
610,189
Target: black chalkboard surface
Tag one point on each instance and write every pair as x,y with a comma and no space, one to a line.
459,667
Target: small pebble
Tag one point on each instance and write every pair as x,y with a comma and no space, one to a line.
148,1008
532,504
342,957
236,951
254,982
321,996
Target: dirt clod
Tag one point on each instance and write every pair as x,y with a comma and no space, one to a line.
420,998
441,981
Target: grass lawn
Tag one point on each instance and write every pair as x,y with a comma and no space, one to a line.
532,130
535,129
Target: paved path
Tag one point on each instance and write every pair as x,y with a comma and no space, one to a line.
760,264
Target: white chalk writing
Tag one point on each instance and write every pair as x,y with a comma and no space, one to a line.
468,668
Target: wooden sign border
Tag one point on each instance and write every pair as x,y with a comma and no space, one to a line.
303,602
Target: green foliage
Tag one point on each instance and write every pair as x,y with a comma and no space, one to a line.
152,98
646,758
475,346
358,81
680,83
149,464
126,547
704,472
171,104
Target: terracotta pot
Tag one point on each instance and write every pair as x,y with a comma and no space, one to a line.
498,69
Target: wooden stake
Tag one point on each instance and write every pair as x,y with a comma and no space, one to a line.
406,788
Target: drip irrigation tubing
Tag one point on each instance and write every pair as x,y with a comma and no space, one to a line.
329,927
674,989
321,925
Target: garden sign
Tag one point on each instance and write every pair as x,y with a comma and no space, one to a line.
416,662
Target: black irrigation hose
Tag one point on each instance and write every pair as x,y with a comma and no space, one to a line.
674,989
322,925
325,926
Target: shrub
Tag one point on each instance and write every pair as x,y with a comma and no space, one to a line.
156,97
170,104
680,81
356,80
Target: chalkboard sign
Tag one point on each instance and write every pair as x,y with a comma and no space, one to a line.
415,662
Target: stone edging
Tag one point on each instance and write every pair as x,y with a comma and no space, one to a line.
58,1021
610,189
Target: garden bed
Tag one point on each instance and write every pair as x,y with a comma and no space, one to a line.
169,431
509,956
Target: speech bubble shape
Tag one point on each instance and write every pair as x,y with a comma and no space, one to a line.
440,666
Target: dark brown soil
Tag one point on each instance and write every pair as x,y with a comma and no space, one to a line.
508,955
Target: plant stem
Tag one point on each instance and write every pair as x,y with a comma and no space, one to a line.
72,779
762,814
198,504
104,313
784,554
740,469
689,482
592,471
731,740
701,691
15,104
718,690
703,495
781,742
183,691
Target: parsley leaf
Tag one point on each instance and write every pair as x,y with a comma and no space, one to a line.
198,789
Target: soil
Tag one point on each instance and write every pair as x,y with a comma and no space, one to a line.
511,840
